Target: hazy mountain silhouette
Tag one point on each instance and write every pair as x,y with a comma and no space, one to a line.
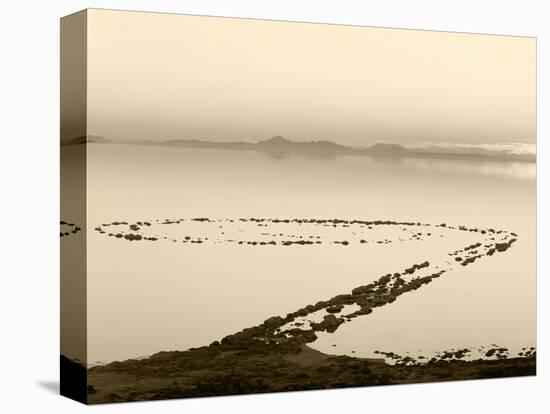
279,144
276,144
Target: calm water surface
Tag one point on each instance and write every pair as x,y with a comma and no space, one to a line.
146,297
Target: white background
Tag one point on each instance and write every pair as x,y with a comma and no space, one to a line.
29,241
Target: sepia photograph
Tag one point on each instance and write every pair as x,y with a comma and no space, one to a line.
254,206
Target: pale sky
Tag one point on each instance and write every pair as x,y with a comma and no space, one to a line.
164,76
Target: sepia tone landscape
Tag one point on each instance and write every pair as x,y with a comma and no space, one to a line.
276,206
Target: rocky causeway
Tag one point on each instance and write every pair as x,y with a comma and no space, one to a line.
274,355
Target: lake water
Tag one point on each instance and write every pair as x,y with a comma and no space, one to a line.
144,297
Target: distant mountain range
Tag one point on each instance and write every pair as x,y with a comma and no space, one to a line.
275,144
279,144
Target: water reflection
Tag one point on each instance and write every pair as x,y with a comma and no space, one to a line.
515,170
462,166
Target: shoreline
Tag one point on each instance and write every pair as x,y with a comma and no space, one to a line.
207,372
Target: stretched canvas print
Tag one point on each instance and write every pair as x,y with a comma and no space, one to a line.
255,206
